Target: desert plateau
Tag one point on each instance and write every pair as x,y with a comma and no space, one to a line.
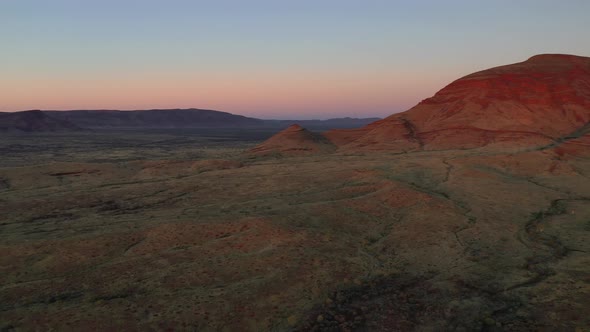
468,212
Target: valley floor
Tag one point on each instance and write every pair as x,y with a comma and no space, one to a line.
451,240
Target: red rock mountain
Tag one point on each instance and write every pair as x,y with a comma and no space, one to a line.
530,103
294,141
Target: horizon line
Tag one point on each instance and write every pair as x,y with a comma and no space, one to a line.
199,109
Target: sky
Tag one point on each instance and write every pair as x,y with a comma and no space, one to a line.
267,58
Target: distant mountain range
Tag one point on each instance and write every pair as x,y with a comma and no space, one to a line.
56,121
34,121
342,123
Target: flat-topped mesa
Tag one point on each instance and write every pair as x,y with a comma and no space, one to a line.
294,141
524,104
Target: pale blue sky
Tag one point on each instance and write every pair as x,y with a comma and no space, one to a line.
267,58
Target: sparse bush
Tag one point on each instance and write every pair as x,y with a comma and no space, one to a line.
537,215
371,239
557,208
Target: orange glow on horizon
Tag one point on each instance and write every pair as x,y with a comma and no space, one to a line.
254,94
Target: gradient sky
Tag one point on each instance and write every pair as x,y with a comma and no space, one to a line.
270,59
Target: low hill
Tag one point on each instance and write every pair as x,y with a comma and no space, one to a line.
294,141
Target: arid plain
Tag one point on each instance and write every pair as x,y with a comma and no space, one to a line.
395,226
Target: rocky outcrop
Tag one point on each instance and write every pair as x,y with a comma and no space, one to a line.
294,141
530,103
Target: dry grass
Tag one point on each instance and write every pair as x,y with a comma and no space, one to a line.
431,240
